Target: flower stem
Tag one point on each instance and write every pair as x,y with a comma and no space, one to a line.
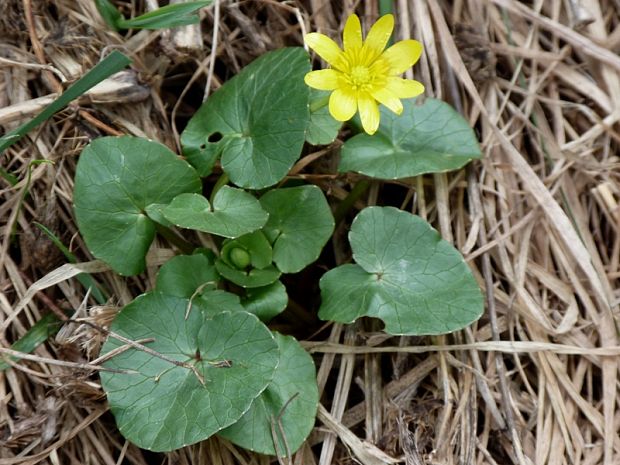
357,191
222,181
385,7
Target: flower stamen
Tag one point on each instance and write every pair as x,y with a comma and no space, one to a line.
360,78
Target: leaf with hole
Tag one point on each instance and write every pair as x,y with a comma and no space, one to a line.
117,178
287,407
256,121
427,138
300,223
200,374
406,275
234,212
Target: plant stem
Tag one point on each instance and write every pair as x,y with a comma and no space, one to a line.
175,240
357,191
385,7
221,182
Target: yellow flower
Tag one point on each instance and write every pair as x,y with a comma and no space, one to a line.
363,73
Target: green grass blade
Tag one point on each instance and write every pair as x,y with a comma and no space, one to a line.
109,13
179,14
85,279
9,177
113,63
37,335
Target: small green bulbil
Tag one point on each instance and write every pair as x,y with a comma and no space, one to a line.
240,258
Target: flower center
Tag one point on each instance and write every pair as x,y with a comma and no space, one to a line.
360,77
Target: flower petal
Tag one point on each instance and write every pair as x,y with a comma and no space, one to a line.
323,79
369,113
404,88
388,99
352,35
342,104
379,34
324,47
403,55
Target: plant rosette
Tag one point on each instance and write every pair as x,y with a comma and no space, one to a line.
202,360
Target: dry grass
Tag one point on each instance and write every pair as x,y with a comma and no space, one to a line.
534,381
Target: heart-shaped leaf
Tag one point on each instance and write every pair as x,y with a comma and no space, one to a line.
427,138
287,407
300,223
208,370
181,276
256,121
117,178
266,302
406,275
234,212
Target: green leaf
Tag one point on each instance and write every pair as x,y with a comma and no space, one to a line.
427,138
256,121
155,211
266,302
292,397
111,64
233,214
8,177
300,223
406,275
256,247
248,278
109,13
181,276
184,275
246,261
34,337
323,128
217,301
163,406
179,14
117,179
